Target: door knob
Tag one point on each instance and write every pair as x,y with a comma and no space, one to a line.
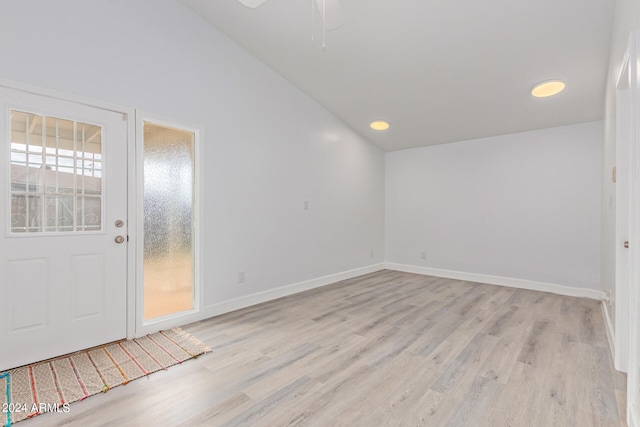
626,244
119,239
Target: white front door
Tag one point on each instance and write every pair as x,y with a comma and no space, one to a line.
63,195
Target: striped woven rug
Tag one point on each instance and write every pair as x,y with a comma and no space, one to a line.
53,384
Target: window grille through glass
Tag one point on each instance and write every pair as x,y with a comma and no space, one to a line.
56,174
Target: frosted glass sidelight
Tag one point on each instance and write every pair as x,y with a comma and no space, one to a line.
56,174
168,220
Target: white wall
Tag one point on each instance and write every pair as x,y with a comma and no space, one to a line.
627,18
266,148
522,206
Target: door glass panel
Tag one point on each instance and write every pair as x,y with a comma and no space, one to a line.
168,220
56,174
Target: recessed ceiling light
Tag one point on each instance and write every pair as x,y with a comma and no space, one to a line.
379,125
547,88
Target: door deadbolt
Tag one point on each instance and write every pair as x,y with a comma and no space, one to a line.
119,223
119,239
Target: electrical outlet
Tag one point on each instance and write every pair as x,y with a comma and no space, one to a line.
241,277
371,254
423,255
305,205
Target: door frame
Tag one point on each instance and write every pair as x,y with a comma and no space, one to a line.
195,314
633,378
128,115
624,196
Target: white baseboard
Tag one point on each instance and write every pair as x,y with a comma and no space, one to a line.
502,281
271,294
253,299
608,327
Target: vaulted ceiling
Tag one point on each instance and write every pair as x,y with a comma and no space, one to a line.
437,70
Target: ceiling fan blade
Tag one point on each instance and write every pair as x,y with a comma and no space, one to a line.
252,3
331,8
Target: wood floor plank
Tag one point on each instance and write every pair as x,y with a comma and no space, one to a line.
221,412
601,395
517,404
479,396
431,409
539,336
500,362
621,398
462,372
383,349
284,396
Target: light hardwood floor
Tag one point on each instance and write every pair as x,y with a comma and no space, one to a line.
384,349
